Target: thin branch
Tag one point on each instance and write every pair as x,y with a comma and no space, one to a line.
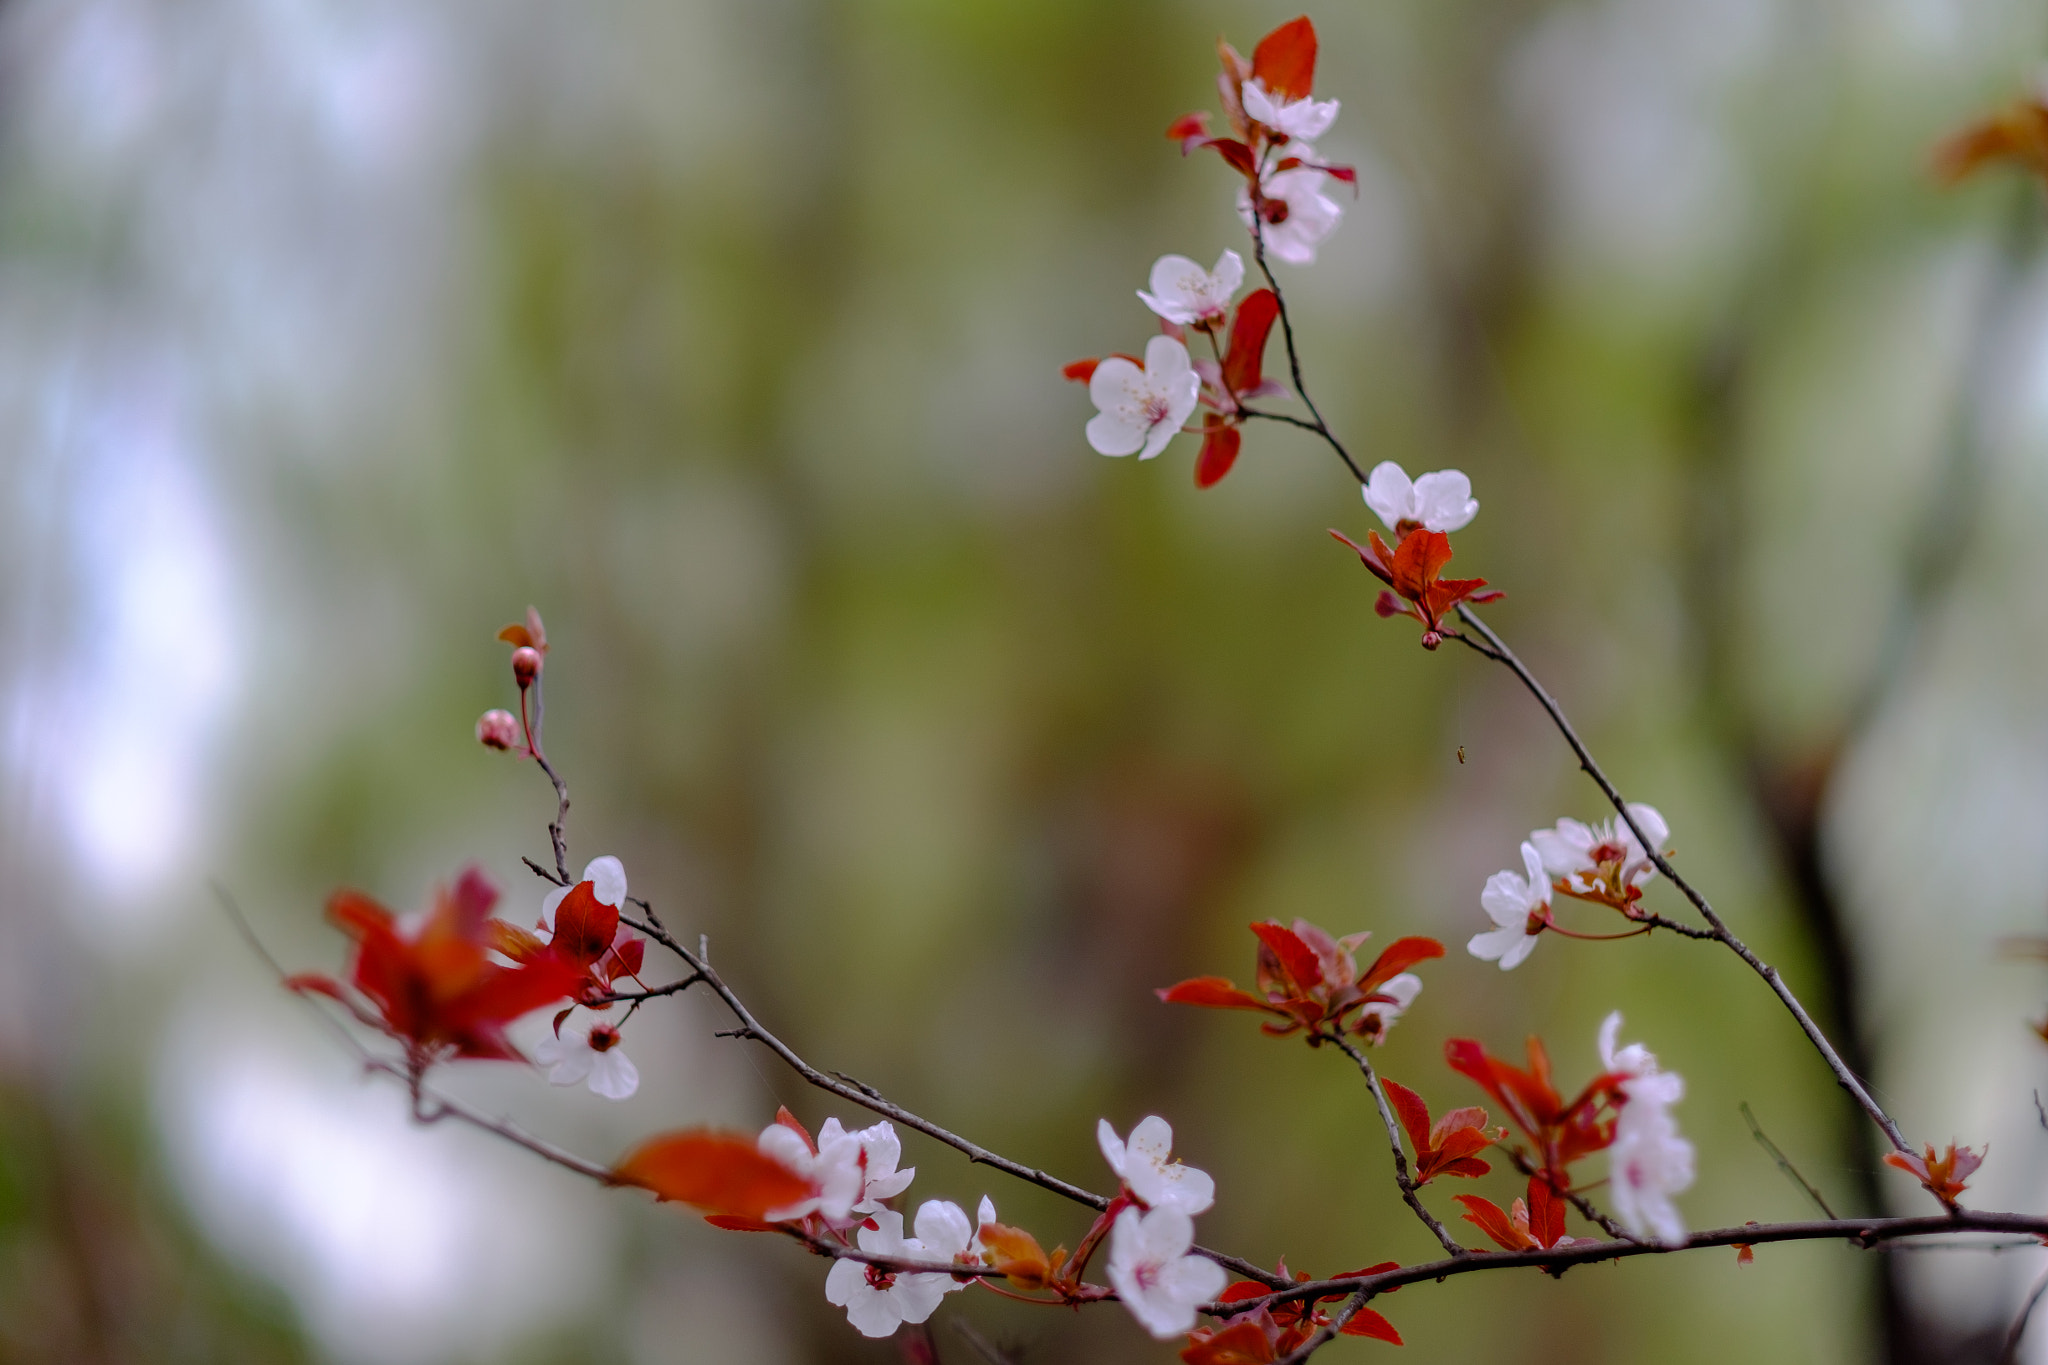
442,1107
867,1097
2011,1350
1319,426
1586,1207
1401,1176
1843,1076
1756,1131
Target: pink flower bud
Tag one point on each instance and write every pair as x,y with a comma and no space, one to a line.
497,730
525,666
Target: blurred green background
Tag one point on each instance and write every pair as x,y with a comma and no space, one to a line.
727,332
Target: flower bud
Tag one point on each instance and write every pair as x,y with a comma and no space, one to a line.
525,666
497,730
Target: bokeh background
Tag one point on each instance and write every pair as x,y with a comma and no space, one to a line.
727,332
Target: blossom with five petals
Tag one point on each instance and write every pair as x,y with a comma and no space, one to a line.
878,1301
1604,862
1145,1166
1310,979
1441,501
1184,293
591,1054
852,1172
1519,906
1152,1271
1140,408
1305,118
1649,1162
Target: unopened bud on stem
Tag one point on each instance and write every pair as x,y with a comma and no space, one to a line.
497,730
525,666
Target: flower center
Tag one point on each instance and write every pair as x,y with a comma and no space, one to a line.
881,1279
1274,211
1148,1274
603,1038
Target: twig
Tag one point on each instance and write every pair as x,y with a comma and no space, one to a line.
1588,1210
446,1108
1319,426
2011,1350
1401,1176
1843,1076
1756,1131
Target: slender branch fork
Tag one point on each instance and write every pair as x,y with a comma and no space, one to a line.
429,1106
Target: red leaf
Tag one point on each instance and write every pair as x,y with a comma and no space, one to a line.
1396,958
1366,1323
1285,60
1296,958
1244,362
1189,128
721,1173
1241,1343
1220,441
1213,992
1413,1113
1080,371
584,925
1546,1212
1490,1219
732,1224
795,1125
1344,173
628,958
1237,154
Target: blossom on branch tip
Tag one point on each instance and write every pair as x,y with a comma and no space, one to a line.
1437,502
1648,1162
1380,1015
1520,907
878,1301
1305,118
1152,1271
1182,292
1941,1176
1310,979
593,1055
1141,408
1145,1166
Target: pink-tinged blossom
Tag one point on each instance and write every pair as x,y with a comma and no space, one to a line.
1297,214
1182,292
1305,118
878,1301
1146,1167
853,1171
1436,502
1152,1272
607,878
592,1055
1519,907
1380,1015
1604,858
1141,409
1648,1162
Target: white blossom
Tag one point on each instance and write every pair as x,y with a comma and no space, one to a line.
1649,1162
1145,1167
853,1171
592,1054
1305,118
1185,293
1573,849
1141,409
1375,1019
1515,904
1298,214
1438,502
877,1301
1152,1272
607,878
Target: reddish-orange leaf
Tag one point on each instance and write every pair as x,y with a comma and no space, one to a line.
1080,371
1546,1212
1018,1255
721,1173
1492,1220
519,944
584,925
1241,1343
1398,957
1366,1323
1238,155
1244,362
1294,957
1189,128
1213,992
1220,441
516,636
1285,60
1412,1111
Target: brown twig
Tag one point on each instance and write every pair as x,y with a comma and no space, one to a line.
1588,1210
1401,1177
